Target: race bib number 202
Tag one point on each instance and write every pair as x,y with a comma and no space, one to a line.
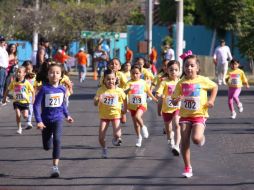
191,103
54,100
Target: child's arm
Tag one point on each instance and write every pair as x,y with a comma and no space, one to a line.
210,102
150,94
159,107
124,106
37,109
5,95
96,100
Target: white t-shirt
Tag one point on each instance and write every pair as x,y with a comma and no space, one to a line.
222,54
170,54
4,57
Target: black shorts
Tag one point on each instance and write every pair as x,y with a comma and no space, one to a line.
20,106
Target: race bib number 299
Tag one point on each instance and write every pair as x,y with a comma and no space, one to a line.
54,100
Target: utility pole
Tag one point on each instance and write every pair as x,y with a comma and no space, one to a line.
35,34
179,30
149,25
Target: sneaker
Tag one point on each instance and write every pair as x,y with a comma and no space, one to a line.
233,115
55,172
19,131
203,141
176,150
117,142
240,107
104,153
145,132
139,141
187,172
3,104
29,126
8,100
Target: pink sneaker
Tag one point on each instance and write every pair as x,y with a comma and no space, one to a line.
187,172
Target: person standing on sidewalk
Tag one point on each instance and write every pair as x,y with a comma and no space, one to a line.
4,61
81,57
221,57
128,55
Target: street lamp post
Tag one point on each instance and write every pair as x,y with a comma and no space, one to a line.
179,31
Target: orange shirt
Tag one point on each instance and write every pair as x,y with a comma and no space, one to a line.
61,57
153,55
81,57
128,55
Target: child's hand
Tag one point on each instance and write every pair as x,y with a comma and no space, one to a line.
176,100
210,104
247,86
159,113
69,119
40,126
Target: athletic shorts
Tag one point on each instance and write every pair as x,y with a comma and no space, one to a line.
167,117
193,120
21,106
133,112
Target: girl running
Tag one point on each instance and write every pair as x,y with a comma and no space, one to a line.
192,91
109,99
236,78
23,94
126,69
168,110
138,90
30,76
49,109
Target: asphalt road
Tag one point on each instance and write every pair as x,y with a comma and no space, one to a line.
225,162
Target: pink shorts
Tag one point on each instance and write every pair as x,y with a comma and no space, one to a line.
108,120
167,117
133,112
193,120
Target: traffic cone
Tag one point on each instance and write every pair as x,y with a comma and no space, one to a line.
95,75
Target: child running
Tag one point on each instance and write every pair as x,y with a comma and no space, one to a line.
126,70
192,91
170,112
23,94
49,109
236,78
109,99
138,90
30,76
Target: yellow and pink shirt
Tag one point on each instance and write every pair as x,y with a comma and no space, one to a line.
236,78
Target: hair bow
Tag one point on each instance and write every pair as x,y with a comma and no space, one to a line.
186,54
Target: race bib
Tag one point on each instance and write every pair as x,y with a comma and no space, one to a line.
20,96
170,104
191,103
54,100
234,81
137,99
109,99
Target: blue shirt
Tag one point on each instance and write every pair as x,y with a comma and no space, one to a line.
49,104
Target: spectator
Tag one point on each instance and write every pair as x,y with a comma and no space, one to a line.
43,53
128,54
4,60
221,57
100,60
153,60
168,53
81,57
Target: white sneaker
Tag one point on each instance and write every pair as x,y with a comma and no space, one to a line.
29,126
233,115
187,172
176,150
19,131
240,107
145,132
139,141
104,153
55,172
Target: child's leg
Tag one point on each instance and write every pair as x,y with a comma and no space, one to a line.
136,126
169,131
18,118
230,99
57,136
25,114
47,136
139,121
177,130
197,135
116,129
185,133
30,114
102,132
236,96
